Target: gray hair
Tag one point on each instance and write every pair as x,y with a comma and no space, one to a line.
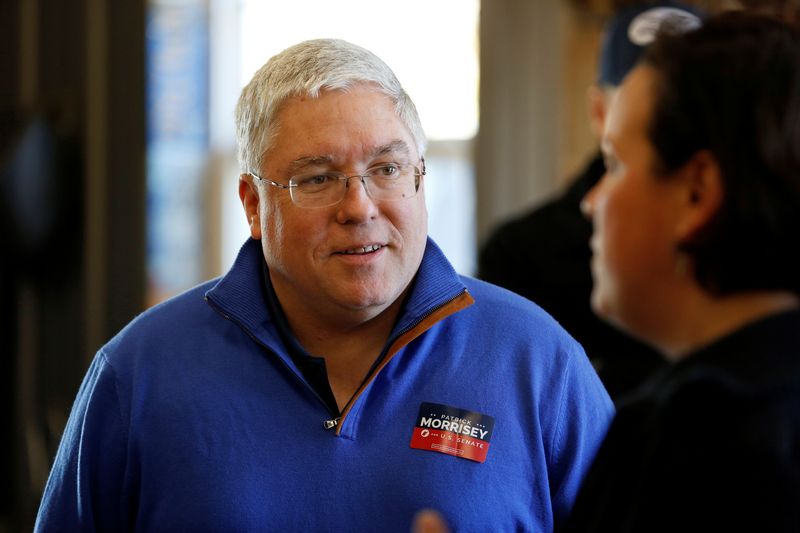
306,69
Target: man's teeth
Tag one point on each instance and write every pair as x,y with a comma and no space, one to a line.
364,250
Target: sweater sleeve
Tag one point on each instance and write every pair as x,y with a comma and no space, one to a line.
585,412
85,490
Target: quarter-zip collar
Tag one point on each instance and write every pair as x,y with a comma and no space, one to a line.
436,292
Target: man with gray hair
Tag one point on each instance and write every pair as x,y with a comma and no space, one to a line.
341,375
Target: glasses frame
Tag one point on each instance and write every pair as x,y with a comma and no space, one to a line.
362,177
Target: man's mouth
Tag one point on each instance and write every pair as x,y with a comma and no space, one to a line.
362,250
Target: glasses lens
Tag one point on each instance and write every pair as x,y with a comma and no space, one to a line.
393,182
383,182
316,190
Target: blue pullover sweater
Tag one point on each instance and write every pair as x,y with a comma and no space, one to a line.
195,418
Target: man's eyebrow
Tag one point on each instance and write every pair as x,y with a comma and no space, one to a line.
309,161
321,160
391,148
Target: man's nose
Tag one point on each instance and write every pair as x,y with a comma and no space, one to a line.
359,177
357,205
588,201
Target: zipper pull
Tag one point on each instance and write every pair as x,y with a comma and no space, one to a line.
330,424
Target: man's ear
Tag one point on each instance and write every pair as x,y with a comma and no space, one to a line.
596,107
703,194
248,194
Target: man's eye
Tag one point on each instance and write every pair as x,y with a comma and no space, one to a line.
385,170
313,181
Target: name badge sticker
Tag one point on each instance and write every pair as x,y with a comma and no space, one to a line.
452,431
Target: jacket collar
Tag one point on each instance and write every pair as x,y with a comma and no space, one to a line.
762,354
240,294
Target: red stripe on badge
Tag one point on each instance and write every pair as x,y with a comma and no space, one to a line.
450,443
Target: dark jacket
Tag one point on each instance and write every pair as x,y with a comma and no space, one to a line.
710,444
544,255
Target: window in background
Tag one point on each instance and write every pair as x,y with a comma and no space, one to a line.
177,41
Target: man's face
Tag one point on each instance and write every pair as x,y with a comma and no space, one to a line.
353,259
635,215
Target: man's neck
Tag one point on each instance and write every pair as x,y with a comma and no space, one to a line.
349,343
709,318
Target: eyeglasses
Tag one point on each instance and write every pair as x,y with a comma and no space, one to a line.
388,181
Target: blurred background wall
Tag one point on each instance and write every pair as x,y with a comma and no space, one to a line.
118,178
72,188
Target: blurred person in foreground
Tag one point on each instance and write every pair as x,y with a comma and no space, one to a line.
786,10
341,375
544,254
696,231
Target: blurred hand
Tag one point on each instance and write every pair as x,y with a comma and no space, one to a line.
429,521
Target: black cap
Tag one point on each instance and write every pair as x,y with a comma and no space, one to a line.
632,28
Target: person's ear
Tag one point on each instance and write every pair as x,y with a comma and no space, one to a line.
597,106
248,194
702,195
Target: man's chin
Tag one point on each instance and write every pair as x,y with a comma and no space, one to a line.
601,306
367,302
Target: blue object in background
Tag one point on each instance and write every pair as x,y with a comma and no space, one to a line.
177,143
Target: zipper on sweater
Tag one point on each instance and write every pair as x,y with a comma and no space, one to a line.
422,318
372,374
336,421
327,424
